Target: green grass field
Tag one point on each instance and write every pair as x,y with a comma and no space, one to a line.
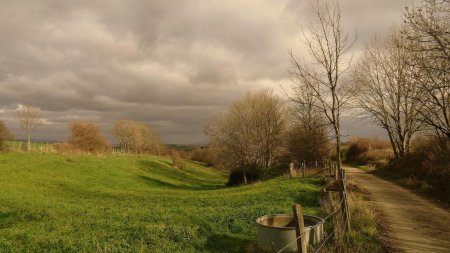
68,203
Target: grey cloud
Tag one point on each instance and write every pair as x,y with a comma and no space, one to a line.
172,64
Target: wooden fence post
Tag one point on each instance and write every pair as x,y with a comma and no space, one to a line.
336,172
330,168
299,228
291,169
336,227
303,168
344,205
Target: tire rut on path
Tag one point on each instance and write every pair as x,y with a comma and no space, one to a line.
414,223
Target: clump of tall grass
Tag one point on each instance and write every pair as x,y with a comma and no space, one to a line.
366,233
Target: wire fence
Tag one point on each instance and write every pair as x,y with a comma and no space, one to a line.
339,215
312,227
324,241
314,168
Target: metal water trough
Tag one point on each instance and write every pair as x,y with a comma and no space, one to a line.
276,231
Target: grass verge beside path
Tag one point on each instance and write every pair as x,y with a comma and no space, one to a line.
69,203
369,232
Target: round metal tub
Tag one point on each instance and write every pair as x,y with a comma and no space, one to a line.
276,231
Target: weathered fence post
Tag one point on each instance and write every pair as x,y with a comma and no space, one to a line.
299,228
330,168
336,172
303,168
291,170
336,226
344,204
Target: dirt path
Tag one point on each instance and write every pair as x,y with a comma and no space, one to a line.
414,223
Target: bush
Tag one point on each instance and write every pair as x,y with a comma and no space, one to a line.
310,144
426,167
363,151
136,137
252,173
64,148
5,134
256,173
177,160
87,137
204,155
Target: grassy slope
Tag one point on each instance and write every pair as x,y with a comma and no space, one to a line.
139,203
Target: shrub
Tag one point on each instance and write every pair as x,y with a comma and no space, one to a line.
5,134
308,143
427,166
204,155
256,173
365,151
177,160
136,137
64,148
252,174
87,137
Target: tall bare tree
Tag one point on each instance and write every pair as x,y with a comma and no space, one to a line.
387,90
329,47
29,119
427,27
250,133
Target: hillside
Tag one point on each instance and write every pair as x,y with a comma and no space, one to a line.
67,203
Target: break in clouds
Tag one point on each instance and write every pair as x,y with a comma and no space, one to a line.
171,64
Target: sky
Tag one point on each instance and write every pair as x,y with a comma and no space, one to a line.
172,64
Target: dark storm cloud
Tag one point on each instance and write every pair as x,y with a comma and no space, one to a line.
173,64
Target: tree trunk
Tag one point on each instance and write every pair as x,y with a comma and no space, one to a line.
338,148
244,176
29,141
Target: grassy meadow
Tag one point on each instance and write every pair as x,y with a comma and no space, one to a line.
76,203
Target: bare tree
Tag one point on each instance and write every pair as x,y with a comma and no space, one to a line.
29,119
307,138
136,137
427,27
328,45
387,90
250,133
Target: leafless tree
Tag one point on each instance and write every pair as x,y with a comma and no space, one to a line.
329,47
307,138
387,90
427,27
136,137
29,119
250,133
